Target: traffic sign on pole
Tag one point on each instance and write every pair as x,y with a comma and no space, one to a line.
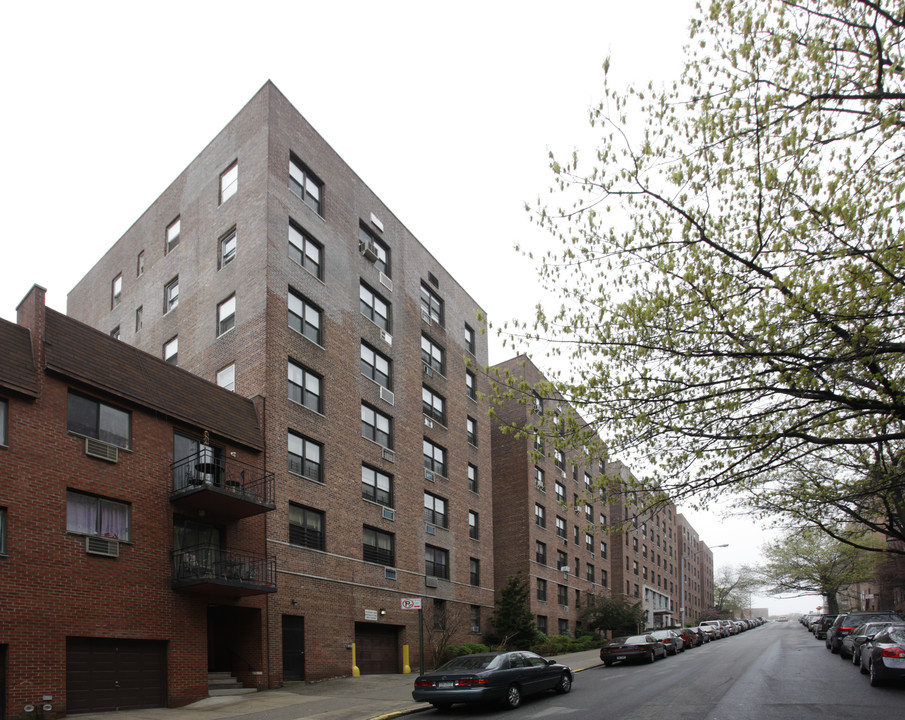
411,603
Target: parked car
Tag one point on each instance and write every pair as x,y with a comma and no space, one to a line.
718,629
883,657
709,631
822,624
491,677
851,643
699,637
729,627
671,641
644,648
845,623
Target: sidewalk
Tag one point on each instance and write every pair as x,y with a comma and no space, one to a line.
362,698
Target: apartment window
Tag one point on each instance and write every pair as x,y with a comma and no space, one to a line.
227,249
378,546
305,387
636,591
431,306
540,552
469,338
434,458
560,527
305,317
2,531
474,571
540,516
306,527
602,520
473,531
559,459
635,567
604,578
575,534
541,589
382,252
471,430
589,542
93,515
229,182
4,422
587,482
375,366
560,490
603,549
374,307
589,513
114,333
226,315
433,405
305,457
589,572
435,510
635,544
436,562
433,355
226,378
562,560
476,619
116,291
172,235
140,264
472,478
171,295
542,624
644,573
376,486
540,481
306,185
376,426
94,419
306,251
139,318
171,351
471,385
562,595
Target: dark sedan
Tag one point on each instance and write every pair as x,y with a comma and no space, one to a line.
644,648
851,643
490,677
883,657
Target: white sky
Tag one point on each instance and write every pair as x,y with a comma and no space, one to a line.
446,110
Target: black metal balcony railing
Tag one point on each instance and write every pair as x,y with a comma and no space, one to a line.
222,485
215,570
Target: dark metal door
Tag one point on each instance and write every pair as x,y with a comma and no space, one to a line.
104,674
293,647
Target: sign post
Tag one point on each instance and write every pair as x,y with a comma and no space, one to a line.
415,604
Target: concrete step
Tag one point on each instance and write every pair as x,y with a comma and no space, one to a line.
220,684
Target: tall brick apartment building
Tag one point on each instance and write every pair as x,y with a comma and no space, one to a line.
554,525
698,573
270,268
125,577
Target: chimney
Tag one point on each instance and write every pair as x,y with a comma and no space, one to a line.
31,314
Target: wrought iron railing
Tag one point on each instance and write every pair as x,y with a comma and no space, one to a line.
204,468
210,563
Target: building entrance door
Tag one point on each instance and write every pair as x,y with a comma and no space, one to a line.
293,647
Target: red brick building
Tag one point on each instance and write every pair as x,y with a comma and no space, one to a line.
268,266
132,556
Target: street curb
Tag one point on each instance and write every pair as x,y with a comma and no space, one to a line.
427,706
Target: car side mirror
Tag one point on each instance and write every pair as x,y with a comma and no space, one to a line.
551,662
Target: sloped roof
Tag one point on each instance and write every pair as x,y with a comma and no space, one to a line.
79,352
17,365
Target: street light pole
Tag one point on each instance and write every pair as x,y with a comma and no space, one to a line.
682,572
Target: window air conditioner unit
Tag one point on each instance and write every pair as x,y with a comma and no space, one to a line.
428,370
431,530
386,282
430,582
476,628
369,250
101,546
386,337
388,455
565,568
389,514
389,573
428,422
387,395
101,450
428,475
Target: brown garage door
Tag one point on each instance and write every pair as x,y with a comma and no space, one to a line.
376,648
105,674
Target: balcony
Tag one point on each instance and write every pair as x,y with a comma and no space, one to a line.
211,570
224,487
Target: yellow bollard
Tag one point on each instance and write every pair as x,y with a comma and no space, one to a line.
405,660
355,671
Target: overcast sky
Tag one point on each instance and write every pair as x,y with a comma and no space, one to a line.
446,110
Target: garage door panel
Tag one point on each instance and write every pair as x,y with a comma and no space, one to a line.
104,674
377,648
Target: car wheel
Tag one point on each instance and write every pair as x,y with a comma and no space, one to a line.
564,684
856,660
608,663
513,697
834,648
862,667
875,679
651,657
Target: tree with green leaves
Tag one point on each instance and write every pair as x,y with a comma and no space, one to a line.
512,618
809,562
732,590
730,266
613,614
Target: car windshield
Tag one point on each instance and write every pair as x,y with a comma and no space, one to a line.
472,662
897,634
630,640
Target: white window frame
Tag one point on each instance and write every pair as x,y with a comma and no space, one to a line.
229,182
